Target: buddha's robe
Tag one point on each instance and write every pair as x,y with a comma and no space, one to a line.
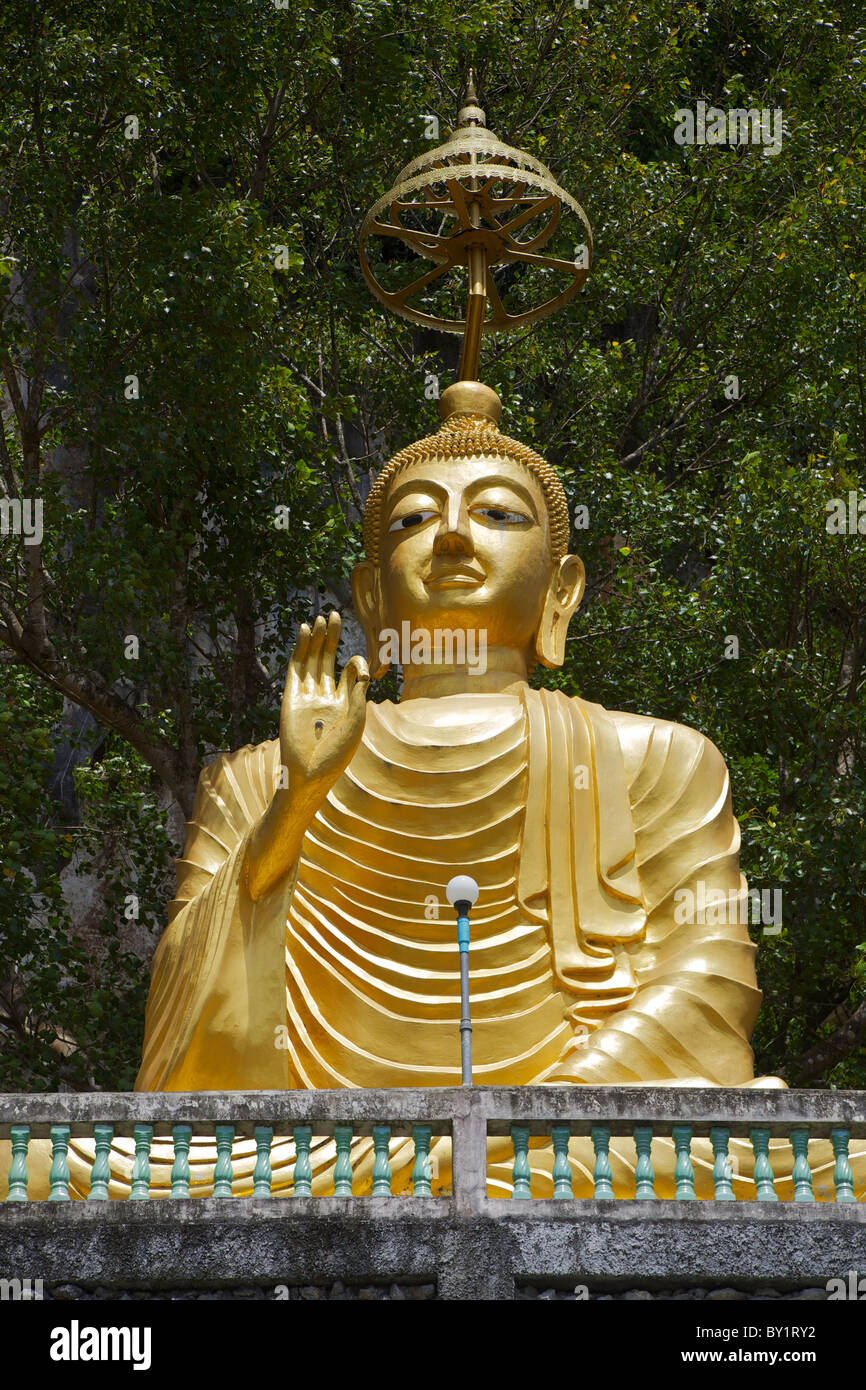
580,826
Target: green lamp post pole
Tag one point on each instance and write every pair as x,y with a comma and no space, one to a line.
462,893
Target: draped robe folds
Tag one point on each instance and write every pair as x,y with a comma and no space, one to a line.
362,943
580,826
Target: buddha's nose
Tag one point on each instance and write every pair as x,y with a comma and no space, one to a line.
454,536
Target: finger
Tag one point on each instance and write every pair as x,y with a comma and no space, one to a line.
302,646
329,651
314,654
297,661
353,695
356,673
356,713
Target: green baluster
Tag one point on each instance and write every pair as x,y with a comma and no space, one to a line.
141,1166
602,1174
520,1173
303,1168
262,1172
100,1173
842,1175
802,1172
561,1167
764,1189
381,1165
20,1136
181,1134
724,1192
644,1177
59,1175
422,1174
223,1172
683,1170
343,1165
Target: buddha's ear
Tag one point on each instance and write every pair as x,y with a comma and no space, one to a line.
367,598
563,596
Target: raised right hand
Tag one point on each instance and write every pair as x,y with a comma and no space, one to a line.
321,723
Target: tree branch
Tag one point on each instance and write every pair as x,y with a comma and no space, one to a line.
825,1054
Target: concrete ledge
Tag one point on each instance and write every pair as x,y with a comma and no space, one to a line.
220,1243
620,1107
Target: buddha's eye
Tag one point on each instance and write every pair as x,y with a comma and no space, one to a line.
499,516
405,523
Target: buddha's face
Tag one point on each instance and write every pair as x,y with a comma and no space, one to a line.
466,545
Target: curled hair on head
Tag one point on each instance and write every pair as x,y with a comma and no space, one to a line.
461,437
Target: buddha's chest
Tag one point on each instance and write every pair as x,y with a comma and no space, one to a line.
372,939
423,800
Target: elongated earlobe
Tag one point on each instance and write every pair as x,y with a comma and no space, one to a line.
367,598
563,597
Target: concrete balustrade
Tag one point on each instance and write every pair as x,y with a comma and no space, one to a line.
468,1244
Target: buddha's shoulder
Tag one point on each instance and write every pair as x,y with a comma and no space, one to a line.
655,748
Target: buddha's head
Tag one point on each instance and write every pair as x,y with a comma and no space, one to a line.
468,530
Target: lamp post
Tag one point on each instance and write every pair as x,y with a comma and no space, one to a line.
462,893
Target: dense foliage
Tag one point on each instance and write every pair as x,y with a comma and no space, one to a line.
187,345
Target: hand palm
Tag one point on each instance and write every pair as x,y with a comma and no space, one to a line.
321,723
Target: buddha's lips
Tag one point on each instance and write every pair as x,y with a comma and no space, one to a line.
460,578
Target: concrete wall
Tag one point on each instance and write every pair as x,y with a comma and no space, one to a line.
492,1253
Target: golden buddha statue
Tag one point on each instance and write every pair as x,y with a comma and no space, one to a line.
311,904
310,944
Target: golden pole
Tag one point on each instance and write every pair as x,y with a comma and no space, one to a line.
474,313
477,302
